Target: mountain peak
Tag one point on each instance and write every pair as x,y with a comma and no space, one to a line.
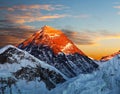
45,27
52,32
106,58
53,38
6,47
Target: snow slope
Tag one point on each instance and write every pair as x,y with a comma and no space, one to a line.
26,61
22,73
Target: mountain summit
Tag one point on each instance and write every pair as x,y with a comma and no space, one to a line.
53,38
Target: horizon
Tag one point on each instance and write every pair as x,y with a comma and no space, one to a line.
92,25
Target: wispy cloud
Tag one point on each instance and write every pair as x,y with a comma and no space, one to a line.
20,19
47,7
87,37
21,14
117,6
14,35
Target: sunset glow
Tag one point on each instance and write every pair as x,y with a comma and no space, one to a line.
93,25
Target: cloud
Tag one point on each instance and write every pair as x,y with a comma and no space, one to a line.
118,7
6,40
79,37
21,14
87,37
14,34
47,7
24,18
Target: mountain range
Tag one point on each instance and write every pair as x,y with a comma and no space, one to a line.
48,62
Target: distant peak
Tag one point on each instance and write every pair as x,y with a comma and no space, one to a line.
106,58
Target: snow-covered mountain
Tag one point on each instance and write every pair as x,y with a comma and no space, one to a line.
53,47
106,80
22,73
49,65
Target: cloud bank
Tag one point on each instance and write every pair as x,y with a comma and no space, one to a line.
87,37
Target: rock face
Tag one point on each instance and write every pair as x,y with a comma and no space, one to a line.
17,66
54,48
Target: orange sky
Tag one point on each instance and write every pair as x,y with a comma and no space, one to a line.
101,48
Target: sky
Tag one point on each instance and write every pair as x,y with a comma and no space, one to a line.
93,25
